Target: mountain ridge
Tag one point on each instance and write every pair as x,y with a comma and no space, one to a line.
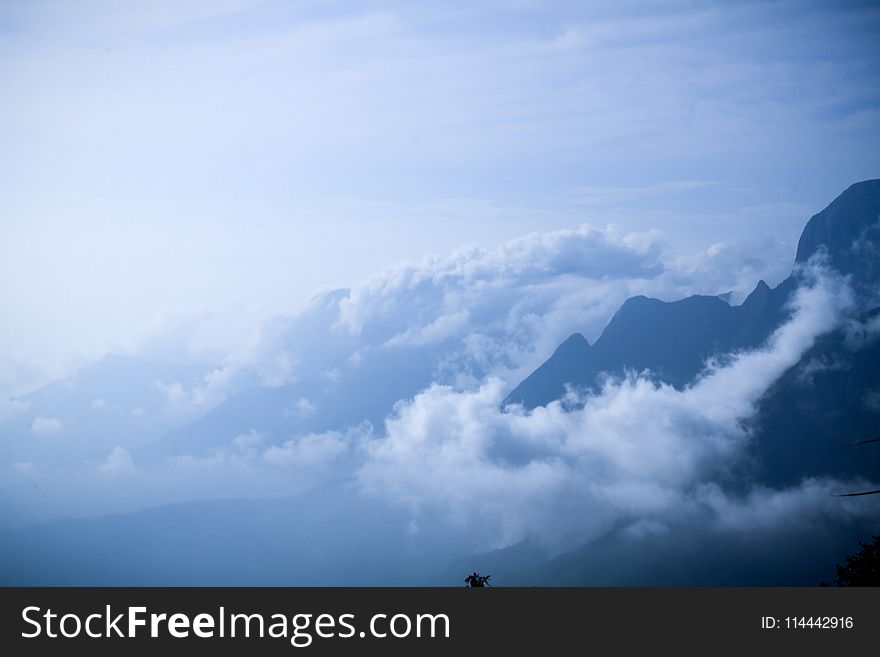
685,333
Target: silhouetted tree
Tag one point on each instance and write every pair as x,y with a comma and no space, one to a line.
475,580
863,568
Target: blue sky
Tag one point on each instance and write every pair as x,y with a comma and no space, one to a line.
237,156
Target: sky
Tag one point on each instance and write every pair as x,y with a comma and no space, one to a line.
228,160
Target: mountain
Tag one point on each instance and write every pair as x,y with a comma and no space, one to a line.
673,340
327,536
848,230
331,537
799,554
817,419
117,401
314,404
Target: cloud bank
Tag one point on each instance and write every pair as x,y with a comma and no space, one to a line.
637,461
638,454
474,313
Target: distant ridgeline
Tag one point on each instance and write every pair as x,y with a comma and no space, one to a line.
808,421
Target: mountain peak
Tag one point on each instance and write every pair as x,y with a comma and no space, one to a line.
758,296
849,231
569,364
575,341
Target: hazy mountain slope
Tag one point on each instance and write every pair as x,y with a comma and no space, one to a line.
328,537
365,391
118,401
808,422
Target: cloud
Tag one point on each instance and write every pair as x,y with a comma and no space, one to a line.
242,451
215,386
119,461
763,509
46,426
308,451
311,453
637,452
524,263
265,349
249,440
731,267
500,311
442,328
303,408
473,313
636,462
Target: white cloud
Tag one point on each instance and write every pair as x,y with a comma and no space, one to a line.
473,274
501,311
98,405
764,509
309,451
442,328
736,268
119,461
249,440
213,388
638,451
303,408
243,451
473,313
46,426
